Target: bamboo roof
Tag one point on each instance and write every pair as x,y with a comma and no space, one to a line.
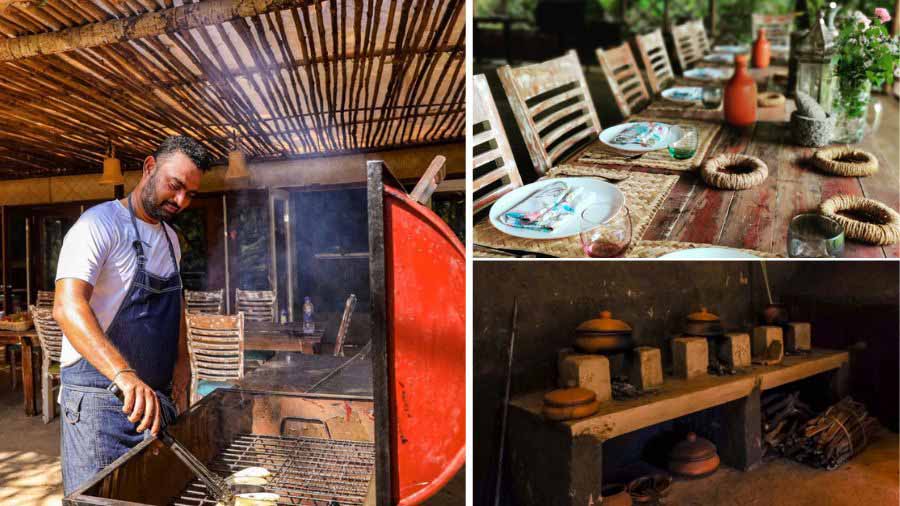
299,78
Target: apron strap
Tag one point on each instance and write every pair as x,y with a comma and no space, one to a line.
171,248
138,245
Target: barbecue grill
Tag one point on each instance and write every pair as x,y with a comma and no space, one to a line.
332,449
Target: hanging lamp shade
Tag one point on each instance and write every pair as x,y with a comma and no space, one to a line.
112,169
237,165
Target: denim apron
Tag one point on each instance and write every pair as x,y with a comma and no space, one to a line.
145,330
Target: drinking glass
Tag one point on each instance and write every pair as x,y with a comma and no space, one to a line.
812,235
712,97
686,145
604,238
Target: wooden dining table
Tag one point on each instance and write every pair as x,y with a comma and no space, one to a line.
758,218
271,336
28,340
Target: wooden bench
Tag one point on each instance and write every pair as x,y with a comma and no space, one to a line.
560,462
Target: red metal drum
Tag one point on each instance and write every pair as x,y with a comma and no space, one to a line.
425,274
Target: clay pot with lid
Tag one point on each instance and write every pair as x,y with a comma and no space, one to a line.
604,334
569,404
693,457
775,314
703,323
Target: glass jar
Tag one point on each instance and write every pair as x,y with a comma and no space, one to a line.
853,107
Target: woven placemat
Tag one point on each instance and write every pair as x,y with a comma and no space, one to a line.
656,249
666,107
644,195
599,153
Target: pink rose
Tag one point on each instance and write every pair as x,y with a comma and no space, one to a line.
883,14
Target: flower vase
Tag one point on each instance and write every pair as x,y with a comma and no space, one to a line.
851,106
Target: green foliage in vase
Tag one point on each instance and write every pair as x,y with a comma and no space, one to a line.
866,54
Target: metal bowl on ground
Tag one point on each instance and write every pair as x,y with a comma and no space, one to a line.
693,457
604,334
703,323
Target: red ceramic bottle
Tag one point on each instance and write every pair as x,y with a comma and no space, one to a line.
761,51
740,95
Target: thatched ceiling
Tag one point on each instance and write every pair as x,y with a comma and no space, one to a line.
321,76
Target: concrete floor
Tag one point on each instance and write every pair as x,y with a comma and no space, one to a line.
29,456
869,479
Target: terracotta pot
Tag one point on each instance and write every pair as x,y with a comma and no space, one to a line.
775,314
703,323
740,95
603,334
761,52
569,404
693,457
615,495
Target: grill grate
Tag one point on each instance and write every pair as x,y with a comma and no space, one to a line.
305,471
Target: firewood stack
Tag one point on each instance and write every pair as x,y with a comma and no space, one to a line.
828,440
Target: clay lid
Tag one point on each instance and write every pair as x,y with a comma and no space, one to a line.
702,316
693,449
604,323
566,397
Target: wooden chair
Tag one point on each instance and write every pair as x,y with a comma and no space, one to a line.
778,27
45,299
494,171
688,46
701,36
50,337
205,302
553,108
655,59
345,326
257,305
216,348
624,78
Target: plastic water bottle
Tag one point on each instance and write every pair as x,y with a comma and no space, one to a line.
283,317
308,326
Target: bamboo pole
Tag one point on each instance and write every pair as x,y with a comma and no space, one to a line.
185,17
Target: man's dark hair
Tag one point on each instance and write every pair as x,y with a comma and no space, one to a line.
185,145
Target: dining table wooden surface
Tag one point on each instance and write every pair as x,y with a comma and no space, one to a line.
29,341
271,336
758,218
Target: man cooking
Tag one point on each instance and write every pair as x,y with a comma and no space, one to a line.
119,304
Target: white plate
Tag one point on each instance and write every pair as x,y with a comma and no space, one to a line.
719,58
602,193
673,93
733,49
707,254
608,134
709,74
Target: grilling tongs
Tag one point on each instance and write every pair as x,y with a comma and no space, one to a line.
215,485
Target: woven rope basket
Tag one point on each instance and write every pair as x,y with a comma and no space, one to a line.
872,221
845,161
715,171
769,99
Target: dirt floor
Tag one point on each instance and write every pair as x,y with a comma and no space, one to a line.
29,456
869,479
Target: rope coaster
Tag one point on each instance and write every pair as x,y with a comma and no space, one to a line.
770,99
872,221
845,161
734,171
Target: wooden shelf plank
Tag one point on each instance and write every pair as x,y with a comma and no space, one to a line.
679,397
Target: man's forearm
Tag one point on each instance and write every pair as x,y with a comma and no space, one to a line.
79,323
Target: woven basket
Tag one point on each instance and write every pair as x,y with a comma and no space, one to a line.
770,99
21,326
879,225
714,172
845,161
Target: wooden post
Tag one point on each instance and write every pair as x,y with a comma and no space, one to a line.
623,8
175,19
739,439
713,20
666,26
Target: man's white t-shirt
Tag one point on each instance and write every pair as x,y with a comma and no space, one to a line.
98,249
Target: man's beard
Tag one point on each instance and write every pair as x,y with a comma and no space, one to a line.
152,207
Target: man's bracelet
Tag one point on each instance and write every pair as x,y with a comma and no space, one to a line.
120,371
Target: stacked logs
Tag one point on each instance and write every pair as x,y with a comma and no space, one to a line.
827,441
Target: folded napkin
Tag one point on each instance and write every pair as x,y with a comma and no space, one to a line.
695,94
546,209
643,134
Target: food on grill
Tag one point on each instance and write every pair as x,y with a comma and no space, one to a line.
250,476
255,499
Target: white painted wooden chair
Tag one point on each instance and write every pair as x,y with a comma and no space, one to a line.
655,58
209,302
257,305
624,79
216,348
45,299
494,171
50,336
553,108
345,326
